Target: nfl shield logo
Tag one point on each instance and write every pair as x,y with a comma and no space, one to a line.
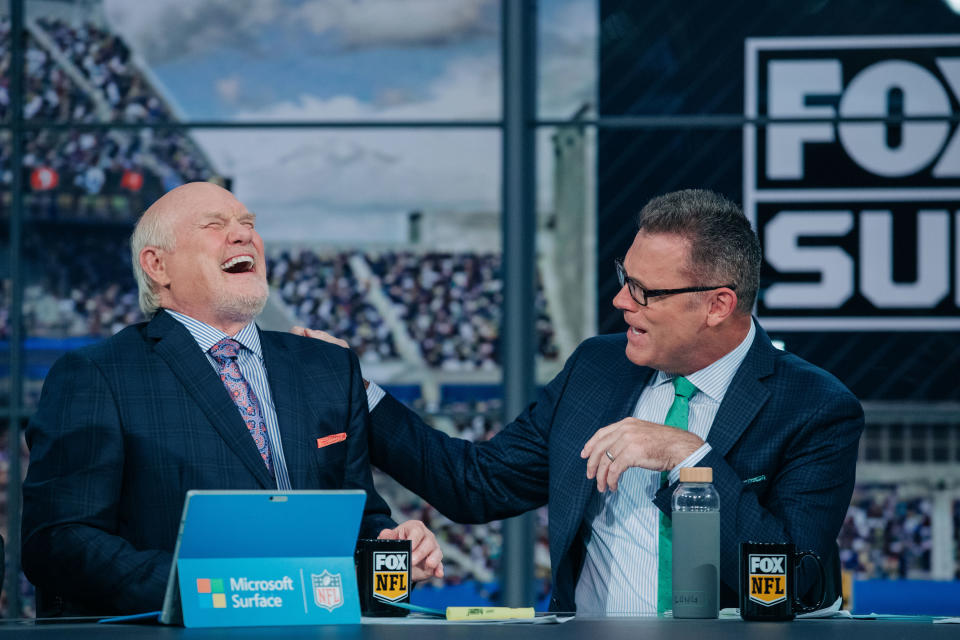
327,590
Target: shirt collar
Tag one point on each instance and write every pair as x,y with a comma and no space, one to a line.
714,379
207,336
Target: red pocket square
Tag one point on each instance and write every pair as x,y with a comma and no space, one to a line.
328,440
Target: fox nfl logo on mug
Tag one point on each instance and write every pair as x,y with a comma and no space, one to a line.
390,575
768,579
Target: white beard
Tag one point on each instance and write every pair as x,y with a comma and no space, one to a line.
242,308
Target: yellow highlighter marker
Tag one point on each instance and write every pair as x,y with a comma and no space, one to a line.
467,614
489,613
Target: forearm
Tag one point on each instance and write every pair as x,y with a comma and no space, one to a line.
100,571
466,481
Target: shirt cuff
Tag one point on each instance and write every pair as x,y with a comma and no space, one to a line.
374,395
690,461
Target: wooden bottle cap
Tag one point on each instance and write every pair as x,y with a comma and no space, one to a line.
696,474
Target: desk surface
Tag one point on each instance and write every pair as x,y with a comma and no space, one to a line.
581,628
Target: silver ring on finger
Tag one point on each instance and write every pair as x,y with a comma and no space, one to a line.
609,455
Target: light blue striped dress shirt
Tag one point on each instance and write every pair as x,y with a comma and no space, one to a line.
250,360
619,575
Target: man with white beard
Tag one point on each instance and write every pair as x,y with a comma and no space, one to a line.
197,398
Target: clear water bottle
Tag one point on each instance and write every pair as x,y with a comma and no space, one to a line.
696,545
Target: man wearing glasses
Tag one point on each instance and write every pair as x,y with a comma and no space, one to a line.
694,381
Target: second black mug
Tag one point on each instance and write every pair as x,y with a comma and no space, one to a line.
768,581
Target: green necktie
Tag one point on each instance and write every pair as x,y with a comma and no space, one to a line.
676,417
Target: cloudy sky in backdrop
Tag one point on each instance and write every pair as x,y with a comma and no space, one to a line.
355,59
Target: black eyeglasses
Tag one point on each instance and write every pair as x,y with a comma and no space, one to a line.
641,295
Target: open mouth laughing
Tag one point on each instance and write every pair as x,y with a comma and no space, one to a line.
238,264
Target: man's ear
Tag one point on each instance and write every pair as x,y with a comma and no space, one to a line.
723,302
152,263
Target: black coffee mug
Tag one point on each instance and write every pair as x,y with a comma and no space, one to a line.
383,576
768,581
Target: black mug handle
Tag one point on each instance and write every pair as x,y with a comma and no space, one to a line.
798,606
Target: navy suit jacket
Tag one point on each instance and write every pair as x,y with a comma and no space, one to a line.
790,427
127,426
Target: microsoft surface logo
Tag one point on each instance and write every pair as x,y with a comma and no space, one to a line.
210,593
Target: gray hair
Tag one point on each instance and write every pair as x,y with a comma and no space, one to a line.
152,230
724,249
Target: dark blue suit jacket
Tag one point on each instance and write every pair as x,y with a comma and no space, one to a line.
782,420
127,426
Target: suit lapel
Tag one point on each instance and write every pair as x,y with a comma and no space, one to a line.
288,393
745,396
180,351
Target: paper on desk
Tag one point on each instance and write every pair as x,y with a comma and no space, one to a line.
822,613
947,621
548,619
832,611
826,613
895,616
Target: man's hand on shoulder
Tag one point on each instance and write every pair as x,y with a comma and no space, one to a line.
319,335
635,443
326,337
426,556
